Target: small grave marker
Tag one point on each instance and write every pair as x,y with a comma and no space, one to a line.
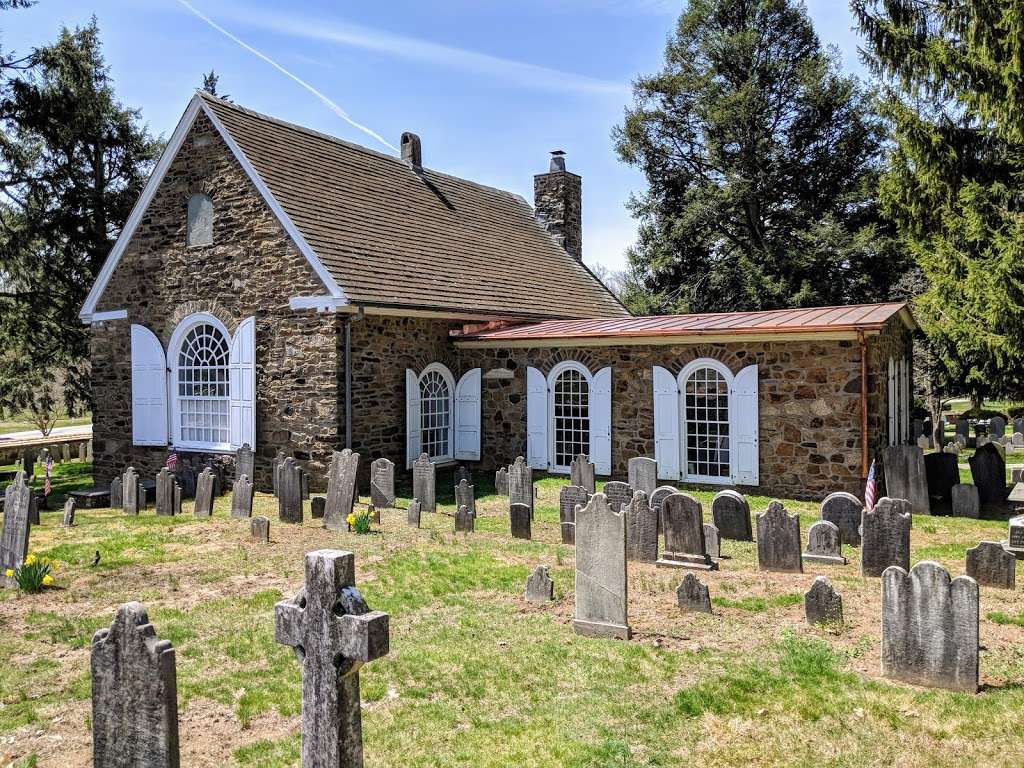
539,586
822,604
693,595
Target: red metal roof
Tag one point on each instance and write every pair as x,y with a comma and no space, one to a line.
811,320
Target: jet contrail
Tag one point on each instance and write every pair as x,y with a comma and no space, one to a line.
327,102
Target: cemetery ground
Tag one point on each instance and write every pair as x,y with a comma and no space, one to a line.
478,677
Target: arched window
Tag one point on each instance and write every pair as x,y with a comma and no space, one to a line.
706,421
199,223
569,412
436,405
201,381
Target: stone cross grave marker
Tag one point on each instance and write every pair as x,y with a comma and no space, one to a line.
245,462
991,565
520,483
941,473
539,586
642,474
886,536
423,483
131,488
259,530
116,494
241,497
988,468
731,515
930,627
465,520
712,541
382,483
501,482
844,510
333,633
464,496
966,501
519,519
341,489
641,530
601,592
822,604
69,514
693,595
582,473
569,498
289,492
905,476
824,544
134,694
17,526
619,494
685,546
413,517
168,494
778,540
204,494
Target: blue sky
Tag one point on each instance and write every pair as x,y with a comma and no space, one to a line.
489,86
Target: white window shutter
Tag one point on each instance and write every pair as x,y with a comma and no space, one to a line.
412,417
601,422
149,388
536,419
908,400
467,416
242,365
892,400
745,426
666,424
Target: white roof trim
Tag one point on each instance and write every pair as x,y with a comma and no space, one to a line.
153,184
114,314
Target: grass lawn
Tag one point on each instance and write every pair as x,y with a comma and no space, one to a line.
24,423
476,676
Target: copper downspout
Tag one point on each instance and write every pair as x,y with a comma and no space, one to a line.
863,403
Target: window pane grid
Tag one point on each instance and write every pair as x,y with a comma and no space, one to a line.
571,413
707,424
435,415
204,403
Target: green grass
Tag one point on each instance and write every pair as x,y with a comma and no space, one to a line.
759,604
22,423
998,617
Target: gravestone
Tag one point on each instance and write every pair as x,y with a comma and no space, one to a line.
69,514
966,501
245,462
303,484
116,494
601,591
953,448
259,530
942,473
570,497
712,541
501,482
341,489
643,474
465,520
520,483
581,473
844,511
131,489
685,547
991,565
241,497
996,426
289,492
539,586
731,515
33,507
333,633
618,494
988,468
1017,475
17,526
1017,439
382,483
28,462
65,452
464,496
930,627
693,595
275,468
824,544
168,494
413,517
317,507
963,428
641,530
886,536
519,517
134,694
905,476
660,494
185,476
778,540
423,483
822,604
204,494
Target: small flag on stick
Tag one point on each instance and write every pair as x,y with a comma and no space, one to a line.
870,490
48,486
172,461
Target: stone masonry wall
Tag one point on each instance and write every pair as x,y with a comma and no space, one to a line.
252,268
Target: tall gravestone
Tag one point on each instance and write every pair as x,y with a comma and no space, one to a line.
601,592
275,468
730,513
683,525
619,494
341,489
942,473
464,496
204,493
824,544
988,468
382,483
168,494
465,520
991,565
778,540
886,536
116,494
33,507
693,595
966,502
822,604
905,476
641,530
333,633
520,483
844,510
501,482
519,521
69,513
996,426
570,497
134,694
289,492
642,474
581,473
131,488
17,526
241,497
245,462
712,541
423,483
930,627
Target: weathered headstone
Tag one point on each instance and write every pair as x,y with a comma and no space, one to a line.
131,488
33,507
17,526
778,540
886,536
413,515
539,586
731,515
28,462
186,478
134,694
966,501
601,593
844,510
988,468
465,496
303,484
275,468
685,546
65,452
905,476
241,497
581,473
930,627
996,426
641,530
520,483
712,541
69,514
991,565
963,428
423,483
463,473
116,494
333,633
317,507
619,494
824,544
693,595
660,494
519,518
643,474
822,604
341,489
245,462
289,492
382,483
465,520
942,473
501,482
259,530
570,497
204,494
168,494
1017,439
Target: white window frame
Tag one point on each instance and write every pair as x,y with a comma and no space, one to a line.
684,374
449,380
558,370
173,355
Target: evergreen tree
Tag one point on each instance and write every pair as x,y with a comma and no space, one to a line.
762,161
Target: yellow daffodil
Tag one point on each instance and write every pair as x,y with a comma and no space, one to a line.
351,519
9,573
47,580
30,560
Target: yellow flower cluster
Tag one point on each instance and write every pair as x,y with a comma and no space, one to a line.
351,519
9,573
47,580
30,560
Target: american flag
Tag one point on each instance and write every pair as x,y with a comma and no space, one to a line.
869,489
172,460
47,486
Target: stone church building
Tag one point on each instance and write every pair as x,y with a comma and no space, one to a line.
283,288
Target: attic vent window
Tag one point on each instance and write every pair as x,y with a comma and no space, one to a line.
200,220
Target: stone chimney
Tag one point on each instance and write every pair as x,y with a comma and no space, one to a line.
558,204
412,151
